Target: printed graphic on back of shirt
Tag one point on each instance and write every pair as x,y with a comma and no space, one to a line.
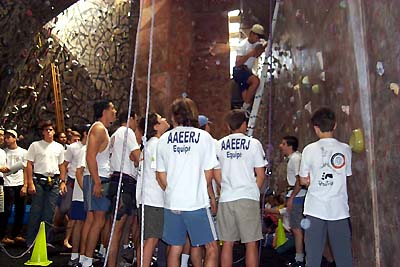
332,162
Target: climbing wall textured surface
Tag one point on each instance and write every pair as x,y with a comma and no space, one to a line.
344,55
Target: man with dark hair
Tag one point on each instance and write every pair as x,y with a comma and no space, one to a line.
119,144
248,50
242,173
46,179
325,167
295,196
185,161
98,163
15,187
148,192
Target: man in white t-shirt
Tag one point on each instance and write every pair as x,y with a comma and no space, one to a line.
325,167
185,161
295,195
124,160
248,51
148,192
242,161
46,179
74,156
15,187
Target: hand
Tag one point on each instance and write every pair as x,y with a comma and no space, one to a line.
24,191
305,180
63,188
258,50
31,189
97,190
214,206
289,204
4,169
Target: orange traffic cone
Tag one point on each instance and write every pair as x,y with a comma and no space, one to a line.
280,234
39,254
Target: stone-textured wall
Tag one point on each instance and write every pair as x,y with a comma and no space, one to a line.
92,45
336,45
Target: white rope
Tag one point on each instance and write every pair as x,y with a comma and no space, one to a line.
145,127
126,131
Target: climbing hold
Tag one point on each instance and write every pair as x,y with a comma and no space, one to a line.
305,80
346,109
342,4
395,88
308,107
379,68
296,87
322,76
315,88
356,141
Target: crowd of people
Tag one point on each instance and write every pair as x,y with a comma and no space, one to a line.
193,190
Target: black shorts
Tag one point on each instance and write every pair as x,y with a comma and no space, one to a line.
241,74
127,199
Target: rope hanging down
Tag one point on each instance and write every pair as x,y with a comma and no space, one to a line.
141,4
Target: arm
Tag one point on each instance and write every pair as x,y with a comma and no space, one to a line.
296,190
240,60
305,180
135,157
79,176
96,139
162,179
63,186
29,177
210,190
4,169
24,189
260,176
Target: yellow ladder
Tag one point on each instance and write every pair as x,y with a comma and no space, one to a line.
55,74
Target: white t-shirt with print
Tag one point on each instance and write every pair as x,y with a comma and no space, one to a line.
15,157
46,157
244,47
77,194
328,162
117,147
152,195
293,168
238,155
184,153
72,157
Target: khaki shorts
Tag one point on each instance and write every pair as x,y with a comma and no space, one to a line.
239,220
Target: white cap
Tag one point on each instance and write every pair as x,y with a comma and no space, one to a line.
257,29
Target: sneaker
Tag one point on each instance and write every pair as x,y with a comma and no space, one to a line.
74,263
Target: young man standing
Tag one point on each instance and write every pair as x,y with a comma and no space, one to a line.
46,179
127,201
148,192
242,173
98,163
185,161
325,167
15,186
247,52
295,195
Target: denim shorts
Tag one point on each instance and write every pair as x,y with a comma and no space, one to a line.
198,223
92,203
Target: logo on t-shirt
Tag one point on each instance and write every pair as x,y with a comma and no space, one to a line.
183,139
338,160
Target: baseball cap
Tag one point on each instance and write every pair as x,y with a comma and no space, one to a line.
257,29
12,132
203,120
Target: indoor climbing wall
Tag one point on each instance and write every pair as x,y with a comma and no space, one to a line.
91,44
344,55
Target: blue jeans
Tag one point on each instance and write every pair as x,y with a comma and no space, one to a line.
42,209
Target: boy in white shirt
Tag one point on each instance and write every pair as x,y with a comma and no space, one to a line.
324,168
242,161
185,161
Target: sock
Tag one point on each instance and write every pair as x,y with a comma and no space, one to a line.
102,250
88,262
82,258
246,105
184,260
74,256
126,246
299,257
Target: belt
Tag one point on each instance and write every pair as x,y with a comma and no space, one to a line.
46,180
